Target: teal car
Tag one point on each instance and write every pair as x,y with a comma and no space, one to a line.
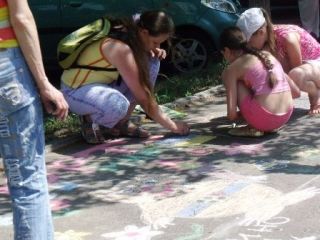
198,24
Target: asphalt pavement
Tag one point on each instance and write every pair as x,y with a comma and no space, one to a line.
205,186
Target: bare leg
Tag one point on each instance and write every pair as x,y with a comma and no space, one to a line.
125,127
306,77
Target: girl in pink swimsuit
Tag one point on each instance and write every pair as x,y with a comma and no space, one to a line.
295,48
256,83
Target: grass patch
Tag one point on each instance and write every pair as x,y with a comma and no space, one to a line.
167,90
57,128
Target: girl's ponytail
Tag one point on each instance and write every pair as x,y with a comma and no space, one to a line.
266,63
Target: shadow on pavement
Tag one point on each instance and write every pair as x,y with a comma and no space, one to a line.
124,169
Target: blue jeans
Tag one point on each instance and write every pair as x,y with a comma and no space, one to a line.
22,148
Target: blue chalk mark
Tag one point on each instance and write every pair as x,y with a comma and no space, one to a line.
194,209
234,187
68,186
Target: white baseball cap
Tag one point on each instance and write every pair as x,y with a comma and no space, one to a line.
250,21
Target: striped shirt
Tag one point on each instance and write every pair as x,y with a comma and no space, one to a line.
7,36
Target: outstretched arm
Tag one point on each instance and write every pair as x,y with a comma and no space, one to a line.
292,45
230,83
25,29
121,57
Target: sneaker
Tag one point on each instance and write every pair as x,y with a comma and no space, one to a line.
91,132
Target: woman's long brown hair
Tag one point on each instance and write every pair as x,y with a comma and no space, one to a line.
157,23
271,39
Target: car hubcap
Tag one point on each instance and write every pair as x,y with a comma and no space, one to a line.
189,55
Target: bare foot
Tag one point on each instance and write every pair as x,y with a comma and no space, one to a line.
314,104
314,110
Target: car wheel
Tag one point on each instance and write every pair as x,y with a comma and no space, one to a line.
189,53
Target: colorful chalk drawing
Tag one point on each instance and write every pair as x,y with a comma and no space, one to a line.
215,198
165,196
133,232
70,235
58,205
222,194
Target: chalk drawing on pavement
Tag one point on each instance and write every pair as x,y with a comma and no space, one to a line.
248,149
132,232
71,234
271,164
216,198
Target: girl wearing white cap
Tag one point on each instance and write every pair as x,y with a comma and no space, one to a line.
295,48
256,83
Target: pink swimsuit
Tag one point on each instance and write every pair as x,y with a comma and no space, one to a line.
256,79
310,48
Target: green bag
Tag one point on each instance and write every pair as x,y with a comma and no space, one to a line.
70,47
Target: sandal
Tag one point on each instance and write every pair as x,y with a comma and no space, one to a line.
245,131
91,132
109,133
128,129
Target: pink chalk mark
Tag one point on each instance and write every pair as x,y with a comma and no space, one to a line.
200,152
56,164
59,204
120,150
237,148
174,164
152,139
102,147
52,178
72,164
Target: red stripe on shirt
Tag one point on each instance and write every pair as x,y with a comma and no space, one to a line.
7,33
3,3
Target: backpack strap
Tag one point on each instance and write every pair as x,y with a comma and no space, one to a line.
94,68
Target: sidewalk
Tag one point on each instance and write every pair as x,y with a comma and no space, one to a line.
203,97
205,186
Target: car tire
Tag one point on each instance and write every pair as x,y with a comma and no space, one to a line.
189,52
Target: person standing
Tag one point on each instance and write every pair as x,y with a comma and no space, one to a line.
23,84
309,16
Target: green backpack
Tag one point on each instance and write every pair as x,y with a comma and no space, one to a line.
70,47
